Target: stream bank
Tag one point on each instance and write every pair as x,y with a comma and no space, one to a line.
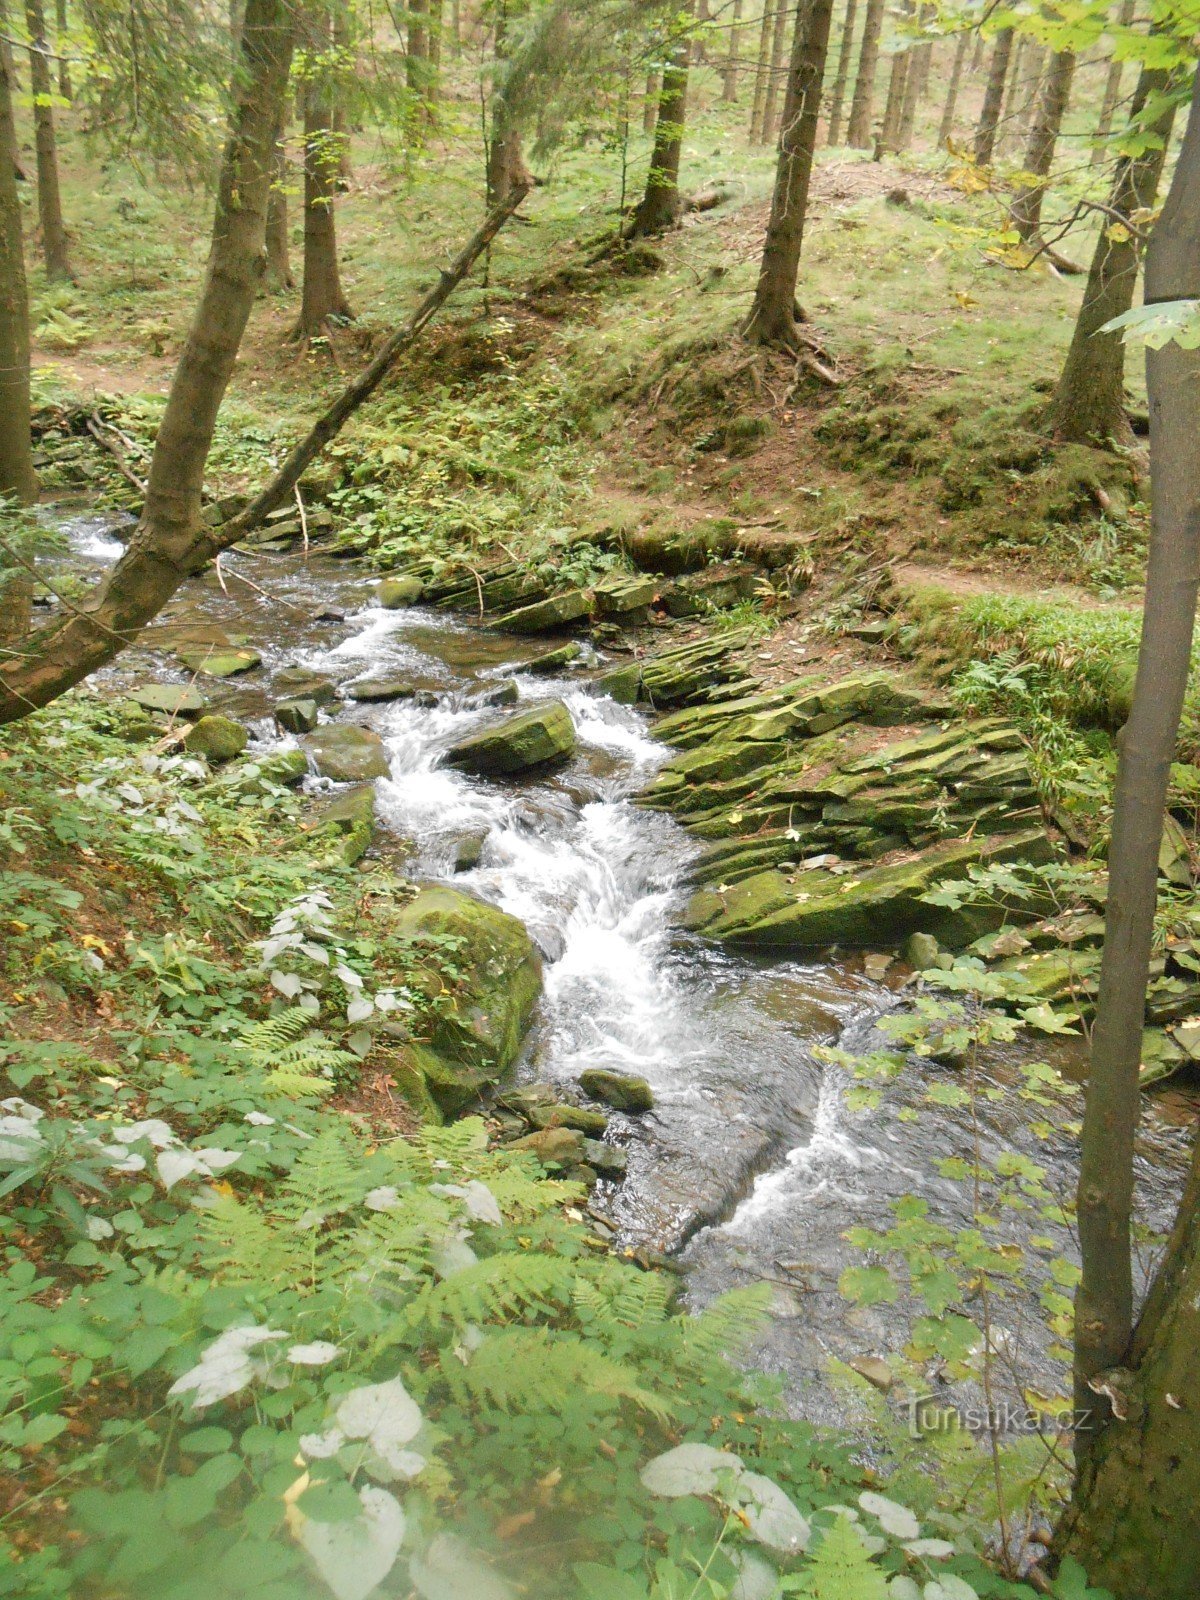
753,1162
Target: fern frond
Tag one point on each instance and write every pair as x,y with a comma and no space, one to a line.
725,1327
498,1286
538,1369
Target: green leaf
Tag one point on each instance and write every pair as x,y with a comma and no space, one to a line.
868,1286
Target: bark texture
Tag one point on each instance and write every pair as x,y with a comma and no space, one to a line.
16,457
915,83
946,127
729,73
506,170
842,78
60,39
322,298
171,539
1134,1521
862,107
50,215
1112,90
1089,402
775,76
772,318
993,98
889,132
279,266
650,103
661,204
761,70
1043,141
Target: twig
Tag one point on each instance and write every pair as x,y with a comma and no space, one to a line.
127,472
303,520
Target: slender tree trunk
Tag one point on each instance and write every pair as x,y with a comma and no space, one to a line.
278,274
762,69
845,55
54,232
650,103
506,169
1133,1520
889,133
321,297
862,107
915,83
993,98
1043,140
344,46
16,455
1037,63
772,318
978,53
456,28
729,85
776,76
1112,90
1089,402
946,130
700,49
436,8
1014,88
60,40
171,539
660,205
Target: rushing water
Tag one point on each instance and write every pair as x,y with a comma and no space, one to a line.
750,1167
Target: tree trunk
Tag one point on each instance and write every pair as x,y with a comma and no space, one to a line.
889,133
171,539
506,170
772,318
993,98
700,46
977,54
60,40
761,71
1013,88
343,43
946,130
862,107
278,274
1037,63
16,455
1112,90
1043,139
660,205
775,77
1133,1521
845,53
916,80
54,232
1089,402
729,85
321,297
650,103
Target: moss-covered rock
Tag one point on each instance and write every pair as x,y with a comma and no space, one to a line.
715,589
475,1035
173,699
297,716
349,821
258,776
300,683
874,906
621,1090
347,754
620,594
554,660
393,594
216,738
540,737
559,611
217,661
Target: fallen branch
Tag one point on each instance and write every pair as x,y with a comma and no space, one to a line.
328,426
96,428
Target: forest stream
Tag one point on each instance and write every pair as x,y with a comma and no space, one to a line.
750,1167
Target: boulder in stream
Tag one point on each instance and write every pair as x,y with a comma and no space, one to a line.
393,594
347,754
301,683
539,737
175,699
217,738
621,1090
219,661
297,716
349,821
475,1036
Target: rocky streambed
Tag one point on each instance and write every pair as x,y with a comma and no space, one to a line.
662,871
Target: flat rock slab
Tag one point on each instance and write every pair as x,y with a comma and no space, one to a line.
175,699
866,906
347,754
371,691
530,739
557,612
218,662
393,594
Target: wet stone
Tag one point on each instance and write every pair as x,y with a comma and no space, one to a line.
216,662
297,716
540,737
217,738
393,594
468,852
298,683
348,754
621,1090
175,699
